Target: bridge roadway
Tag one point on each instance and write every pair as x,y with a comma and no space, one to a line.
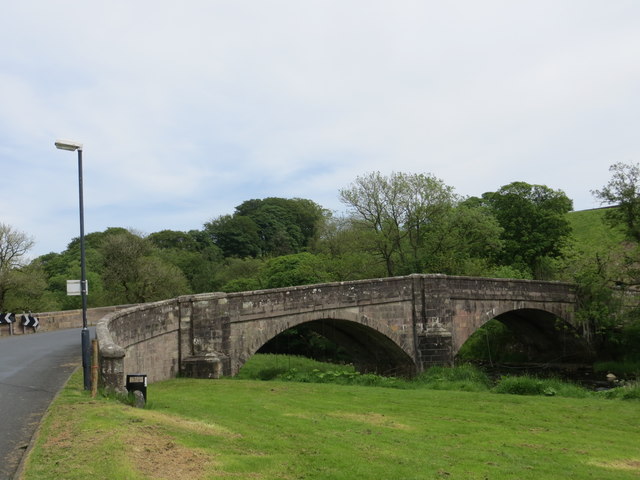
33,369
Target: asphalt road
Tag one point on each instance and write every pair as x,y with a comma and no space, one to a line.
33,369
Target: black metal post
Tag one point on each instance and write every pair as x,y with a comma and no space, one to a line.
86,344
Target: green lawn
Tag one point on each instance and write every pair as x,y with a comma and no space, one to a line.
247,429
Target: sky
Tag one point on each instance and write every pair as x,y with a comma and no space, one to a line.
187,109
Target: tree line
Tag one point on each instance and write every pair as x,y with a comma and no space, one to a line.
394,224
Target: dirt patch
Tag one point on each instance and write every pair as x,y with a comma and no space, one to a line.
157,456
182,423
376,419
61,432
629,465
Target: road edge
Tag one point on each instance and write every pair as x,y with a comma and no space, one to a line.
27,451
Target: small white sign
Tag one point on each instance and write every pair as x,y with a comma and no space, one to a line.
73,287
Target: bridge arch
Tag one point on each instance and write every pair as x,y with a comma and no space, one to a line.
544,333
370,350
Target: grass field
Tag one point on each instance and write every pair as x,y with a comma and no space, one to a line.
248,429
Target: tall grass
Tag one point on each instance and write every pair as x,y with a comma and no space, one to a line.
268,366
464,377
629,391
530,385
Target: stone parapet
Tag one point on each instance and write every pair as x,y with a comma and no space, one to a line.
142,339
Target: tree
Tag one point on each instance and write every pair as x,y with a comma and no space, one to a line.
30,292
172,239
534,223
239,274
344,250
193,252
623,191
14,245
413,223
134,273
236,235
297,269
268,227
465,242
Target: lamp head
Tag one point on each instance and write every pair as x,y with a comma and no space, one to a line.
68,145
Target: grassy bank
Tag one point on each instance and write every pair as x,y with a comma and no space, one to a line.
248,429
464,377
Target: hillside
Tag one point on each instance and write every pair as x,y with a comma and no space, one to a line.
591,233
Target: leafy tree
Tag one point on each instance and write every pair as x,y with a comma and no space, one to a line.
345,252
159,280
193,253
534,223
398,211
60,267
30,292
239,274
465,242
14,246
297,219
134,274
172,239
237,236
57,289
607,292
623,191
414,224
268,227
297,269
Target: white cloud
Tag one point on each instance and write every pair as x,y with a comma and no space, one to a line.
187,109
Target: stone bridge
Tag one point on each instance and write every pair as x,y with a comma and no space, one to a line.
399,325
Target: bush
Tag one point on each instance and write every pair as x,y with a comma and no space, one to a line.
272,366
524,385
626,392
465,377
528,385
462,377
342,377
270,373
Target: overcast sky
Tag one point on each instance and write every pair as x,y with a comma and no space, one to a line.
187,109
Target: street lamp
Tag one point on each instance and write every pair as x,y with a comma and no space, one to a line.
86,348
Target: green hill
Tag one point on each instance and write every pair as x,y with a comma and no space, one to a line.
591,233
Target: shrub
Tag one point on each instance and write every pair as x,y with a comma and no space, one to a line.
272,366
524,385
342,377
625,392
464,377
528,385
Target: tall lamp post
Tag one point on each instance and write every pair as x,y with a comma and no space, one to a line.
86,347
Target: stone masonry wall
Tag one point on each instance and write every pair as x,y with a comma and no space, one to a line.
50,321
140,340
461,305
220,325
